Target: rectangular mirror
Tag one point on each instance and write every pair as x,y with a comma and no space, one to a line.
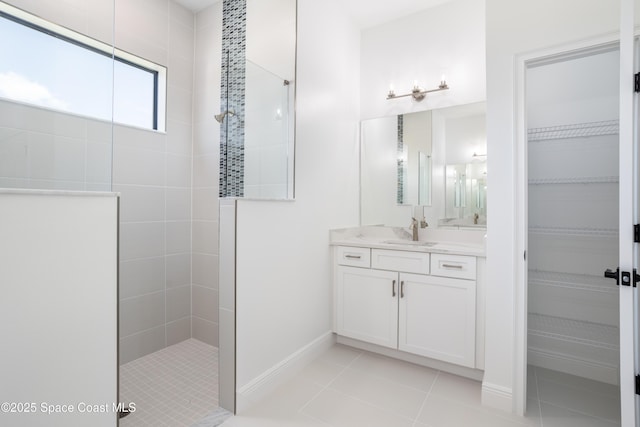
433,159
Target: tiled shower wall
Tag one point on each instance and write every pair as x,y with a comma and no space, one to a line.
151,170
206,158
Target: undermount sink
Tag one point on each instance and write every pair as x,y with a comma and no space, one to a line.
408,242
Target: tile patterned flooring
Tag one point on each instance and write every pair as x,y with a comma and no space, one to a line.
176,386
346,387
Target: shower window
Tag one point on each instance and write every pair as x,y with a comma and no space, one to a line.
56,68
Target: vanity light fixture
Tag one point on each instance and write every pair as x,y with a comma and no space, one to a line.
417,92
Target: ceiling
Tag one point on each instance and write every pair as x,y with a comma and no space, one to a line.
365,13
369,13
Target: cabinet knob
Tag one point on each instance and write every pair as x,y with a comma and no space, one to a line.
402,289
393,289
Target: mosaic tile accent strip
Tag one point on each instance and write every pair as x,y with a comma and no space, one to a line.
401,165
234,41
175,386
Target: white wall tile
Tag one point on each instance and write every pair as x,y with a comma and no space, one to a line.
56,158
141,203
99,131
98,162
206,170
127,136
178,303
179,138
138,314
209,17
205,237
178,331
180,72
205,204
178,270
178,237
204,303
181,41
178,204
178,170
205,270
205,331
179,105
14,153
182,15
138,345
206,134
136,166
141,240
141,276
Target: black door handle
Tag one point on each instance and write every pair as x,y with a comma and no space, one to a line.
610,274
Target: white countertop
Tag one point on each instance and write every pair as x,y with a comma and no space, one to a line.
393,238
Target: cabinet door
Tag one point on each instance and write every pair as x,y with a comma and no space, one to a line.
438,318
368,305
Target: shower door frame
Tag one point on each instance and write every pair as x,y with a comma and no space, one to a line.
627,208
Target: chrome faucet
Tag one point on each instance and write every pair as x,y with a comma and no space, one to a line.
414,229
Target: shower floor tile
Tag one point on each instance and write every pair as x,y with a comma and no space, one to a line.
175,386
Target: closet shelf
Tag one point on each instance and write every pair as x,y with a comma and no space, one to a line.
579,180
577,130
581,282
576,331
581,232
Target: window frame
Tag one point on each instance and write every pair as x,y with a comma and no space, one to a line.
158,71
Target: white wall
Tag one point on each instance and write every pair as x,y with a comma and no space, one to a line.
448,39
513,28
284,284
58,316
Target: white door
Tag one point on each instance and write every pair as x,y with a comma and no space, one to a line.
629,365
368,305
438,318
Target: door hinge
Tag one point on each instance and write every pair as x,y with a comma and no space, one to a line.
624,278
636,233
637,82
637,384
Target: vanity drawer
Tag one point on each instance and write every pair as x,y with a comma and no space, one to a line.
355,257
458,266
402,261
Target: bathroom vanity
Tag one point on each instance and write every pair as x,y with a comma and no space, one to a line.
420,301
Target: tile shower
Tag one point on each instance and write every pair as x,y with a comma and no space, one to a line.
168,181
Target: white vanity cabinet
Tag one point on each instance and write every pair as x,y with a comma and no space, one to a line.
415,302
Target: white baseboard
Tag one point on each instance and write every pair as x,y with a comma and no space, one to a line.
570,365
268,381
497,397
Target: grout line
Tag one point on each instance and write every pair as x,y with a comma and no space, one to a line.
330,382
424,402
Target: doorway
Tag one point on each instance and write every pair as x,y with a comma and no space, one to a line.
571,211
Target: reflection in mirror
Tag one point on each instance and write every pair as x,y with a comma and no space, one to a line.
403,164
395,167
466,170
414,150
